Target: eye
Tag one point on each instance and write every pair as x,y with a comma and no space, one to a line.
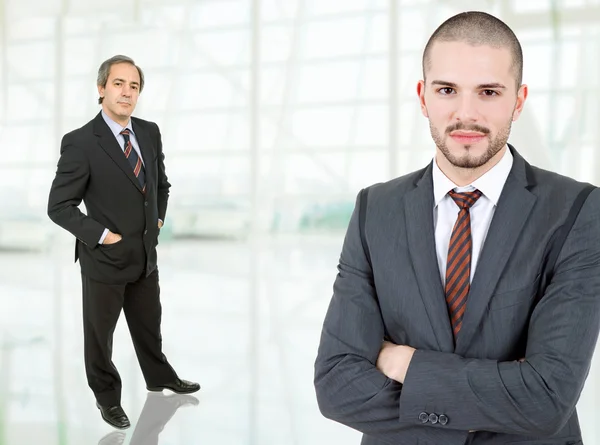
134,87
490,93
446,91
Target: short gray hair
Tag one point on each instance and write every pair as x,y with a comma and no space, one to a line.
104,71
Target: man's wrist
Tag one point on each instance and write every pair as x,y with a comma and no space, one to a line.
407,354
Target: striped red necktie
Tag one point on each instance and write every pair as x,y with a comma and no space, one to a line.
134,159
458,267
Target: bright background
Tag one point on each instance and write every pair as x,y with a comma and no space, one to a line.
274,113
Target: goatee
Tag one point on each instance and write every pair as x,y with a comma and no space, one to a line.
469,161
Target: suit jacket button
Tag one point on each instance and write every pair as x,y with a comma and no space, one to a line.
424,417
146,203
433,418
145,232
443,419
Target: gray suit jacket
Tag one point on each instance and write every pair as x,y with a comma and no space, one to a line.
477,384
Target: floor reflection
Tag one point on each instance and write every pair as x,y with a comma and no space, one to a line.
242,319
156,413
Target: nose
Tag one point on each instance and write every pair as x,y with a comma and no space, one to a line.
467,109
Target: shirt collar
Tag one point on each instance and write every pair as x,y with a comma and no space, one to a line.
490,183
115,127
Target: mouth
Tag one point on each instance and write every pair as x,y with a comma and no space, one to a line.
467,137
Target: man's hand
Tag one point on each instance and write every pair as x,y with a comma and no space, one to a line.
112,238
394,359
160,224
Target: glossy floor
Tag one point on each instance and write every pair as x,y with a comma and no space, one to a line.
241,318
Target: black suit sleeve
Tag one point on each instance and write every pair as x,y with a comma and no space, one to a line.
162,180
67,192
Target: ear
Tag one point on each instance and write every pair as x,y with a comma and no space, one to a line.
421,94
521,98
101,90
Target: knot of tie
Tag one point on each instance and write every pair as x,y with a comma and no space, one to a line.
465,199
125,133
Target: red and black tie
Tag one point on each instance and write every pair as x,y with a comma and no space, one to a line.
458,268
134,159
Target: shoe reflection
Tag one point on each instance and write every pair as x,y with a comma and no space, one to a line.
114,438
156,413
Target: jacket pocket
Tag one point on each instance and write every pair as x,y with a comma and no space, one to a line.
116,254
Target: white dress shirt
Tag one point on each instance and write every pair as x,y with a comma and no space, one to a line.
116,129
446,211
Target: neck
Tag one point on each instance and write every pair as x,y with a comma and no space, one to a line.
121,120
465,176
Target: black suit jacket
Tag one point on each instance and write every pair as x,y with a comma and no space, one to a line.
92,168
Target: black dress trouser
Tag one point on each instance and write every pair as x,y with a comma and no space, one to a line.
102,304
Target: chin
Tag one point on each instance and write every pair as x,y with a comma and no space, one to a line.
469,162
467,152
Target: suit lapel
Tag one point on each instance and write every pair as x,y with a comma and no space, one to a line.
109,144
514,206
145,144
418,214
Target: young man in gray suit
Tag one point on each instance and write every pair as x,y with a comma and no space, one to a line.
435,333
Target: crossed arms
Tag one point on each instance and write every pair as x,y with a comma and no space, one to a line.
535,396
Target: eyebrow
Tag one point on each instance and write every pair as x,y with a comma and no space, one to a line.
123,80
483,86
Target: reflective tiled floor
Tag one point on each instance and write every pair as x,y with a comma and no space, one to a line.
242,318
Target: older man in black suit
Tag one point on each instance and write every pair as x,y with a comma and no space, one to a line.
115,164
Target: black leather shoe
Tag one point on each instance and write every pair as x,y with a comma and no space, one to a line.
179,386
114,438
114,416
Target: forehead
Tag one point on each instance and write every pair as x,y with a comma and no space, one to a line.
124,71
462,62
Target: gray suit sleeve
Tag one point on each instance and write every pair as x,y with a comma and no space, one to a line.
535,397
349,387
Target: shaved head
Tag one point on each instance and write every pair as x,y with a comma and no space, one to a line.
477,28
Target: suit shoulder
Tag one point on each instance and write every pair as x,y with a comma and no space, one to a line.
554,183
149,125
397,186
557,193
78,137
